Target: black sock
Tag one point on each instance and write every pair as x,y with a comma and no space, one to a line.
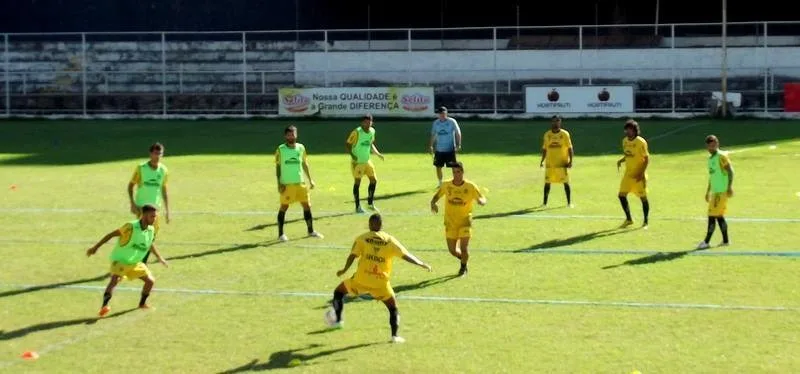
645,209
309,220
712,224
624,202
371,192
355,195
143,300
338,304
106,298
568,191
723,226
281,221
546,193
394,323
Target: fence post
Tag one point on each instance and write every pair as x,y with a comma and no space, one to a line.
410,59
327,58
672,53
244,72
766,68
494,70
164,74
7,75
83,70
580,53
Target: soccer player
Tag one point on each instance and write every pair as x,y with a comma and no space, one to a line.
719,189
459,195
445,141
291,160
127,258
150,180
557,151
636,160
375,251
360,145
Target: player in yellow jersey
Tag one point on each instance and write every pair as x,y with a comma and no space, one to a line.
148,185
127,258
375,251
636,159
719,190
460,194
557,157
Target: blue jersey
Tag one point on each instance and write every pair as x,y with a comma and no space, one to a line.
445,132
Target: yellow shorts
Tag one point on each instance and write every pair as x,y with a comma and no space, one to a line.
295,193
631,185
718,204
556,175
384,292
156,224
135,271
457,228
361,170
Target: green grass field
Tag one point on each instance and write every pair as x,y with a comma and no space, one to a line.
549,290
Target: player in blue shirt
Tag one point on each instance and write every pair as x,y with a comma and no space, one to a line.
445,141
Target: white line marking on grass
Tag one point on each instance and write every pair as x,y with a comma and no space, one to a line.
553,250
679,129
325,214
621,304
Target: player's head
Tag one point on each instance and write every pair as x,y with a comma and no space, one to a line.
156,152
375,222
555,122
631,128
712,143
290,133
442,112
458,171
149,213
366,121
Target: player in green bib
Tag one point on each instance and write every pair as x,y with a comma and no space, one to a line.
127,258
148,185
291,160
360,146
718,191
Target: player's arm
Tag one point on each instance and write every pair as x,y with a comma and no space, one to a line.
414,260
544,150
93,249
645,161
158,255
570,151
135,179
278,171
376,151
354,251
307,170
729,168
348,144
458,135
435,199
432,140
165,196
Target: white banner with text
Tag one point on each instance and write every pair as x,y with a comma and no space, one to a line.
584,99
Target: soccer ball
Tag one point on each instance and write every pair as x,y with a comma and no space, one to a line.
330,317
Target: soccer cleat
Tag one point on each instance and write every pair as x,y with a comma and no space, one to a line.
702,245
626,224
283,238
645,226
338,325
462,272
315,234
570,205
360,210
398,340
724,244
373,208
146,307
104,311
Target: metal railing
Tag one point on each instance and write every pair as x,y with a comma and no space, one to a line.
227,72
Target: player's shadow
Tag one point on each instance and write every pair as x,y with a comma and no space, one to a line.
281,359
235,248
8,335
394,195
654,258
554,243
517,212
274,224
397,289
52,286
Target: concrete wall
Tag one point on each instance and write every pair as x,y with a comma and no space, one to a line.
470,66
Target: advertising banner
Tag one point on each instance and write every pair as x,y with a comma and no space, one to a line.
583,99
354,101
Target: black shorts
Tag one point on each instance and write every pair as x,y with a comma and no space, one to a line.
443,158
